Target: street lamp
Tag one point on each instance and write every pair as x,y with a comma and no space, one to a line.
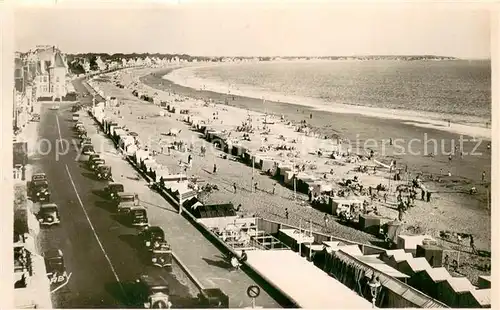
374,284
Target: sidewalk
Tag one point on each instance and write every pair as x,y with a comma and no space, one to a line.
197,253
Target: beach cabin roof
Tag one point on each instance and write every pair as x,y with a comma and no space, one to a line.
460,284
438,274
381,266
483,297
411,242
275,266
418,264
398,255
350,249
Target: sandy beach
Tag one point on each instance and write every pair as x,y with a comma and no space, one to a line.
449,195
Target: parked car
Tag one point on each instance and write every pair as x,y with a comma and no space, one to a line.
38,176
85,140
54,262
96,163
152,236
161,256
113,189
104,172
49,214
91,159
55,107
39,191
137,216
35,117
75,117
151,292
88,149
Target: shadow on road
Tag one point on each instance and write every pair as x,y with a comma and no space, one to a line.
105,205
123,293
218,263
132,240
99,193
90,176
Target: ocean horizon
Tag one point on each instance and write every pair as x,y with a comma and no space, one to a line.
455,90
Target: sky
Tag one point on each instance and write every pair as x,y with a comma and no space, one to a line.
259,30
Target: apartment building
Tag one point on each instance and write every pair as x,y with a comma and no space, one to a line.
48,68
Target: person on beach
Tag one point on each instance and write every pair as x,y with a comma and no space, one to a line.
385,197
428,196
234,187
189,159
286,214
274,188
215,169
255,186
325,219
471,243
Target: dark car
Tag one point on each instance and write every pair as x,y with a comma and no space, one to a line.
40,176
103,172
85,140
88,149
54,262
39,191
113,189
96,163
151,292
137,216
125,197
161,256
152,236
91,158
49,214
35,117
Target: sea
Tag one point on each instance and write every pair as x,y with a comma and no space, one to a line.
451,87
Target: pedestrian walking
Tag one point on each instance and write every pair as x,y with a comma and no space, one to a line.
385,197
325,218
234,187
274,188
472,246
428,196
215,168
370,190
286,214
483,176
189,159
450,158
255,186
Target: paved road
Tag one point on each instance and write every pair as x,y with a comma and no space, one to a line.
101,253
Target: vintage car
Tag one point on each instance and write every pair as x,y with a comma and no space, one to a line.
113,189
55,107
161,256
103,172
75,117
35,117
54,262
39,191
76,108
127,197
137,216
96,163
151,292
88,149
38,176
151,237
78,125
48,214
85,140
91,158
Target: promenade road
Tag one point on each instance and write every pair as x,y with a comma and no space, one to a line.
100,253
195,251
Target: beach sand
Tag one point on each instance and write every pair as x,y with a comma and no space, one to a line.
473,216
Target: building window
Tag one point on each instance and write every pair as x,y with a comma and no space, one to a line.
57,79
51,88
45,79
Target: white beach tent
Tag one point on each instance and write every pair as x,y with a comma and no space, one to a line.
161,172
141,155
150,163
